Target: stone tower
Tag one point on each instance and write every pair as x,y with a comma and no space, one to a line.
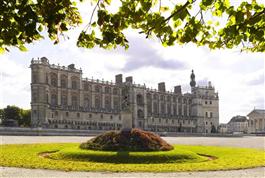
38,91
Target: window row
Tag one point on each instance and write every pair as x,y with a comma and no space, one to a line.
98,101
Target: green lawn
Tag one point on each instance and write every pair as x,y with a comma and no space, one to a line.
68,157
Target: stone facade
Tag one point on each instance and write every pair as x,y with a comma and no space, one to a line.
61,98
256,123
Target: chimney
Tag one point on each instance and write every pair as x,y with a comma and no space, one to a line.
118,79
162,87
177,89
44,60
71,66
129,79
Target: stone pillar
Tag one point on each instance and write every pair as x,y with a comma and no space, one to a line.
126,120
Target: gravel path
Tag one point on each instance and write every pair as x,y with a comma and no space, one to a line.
247,142
30,173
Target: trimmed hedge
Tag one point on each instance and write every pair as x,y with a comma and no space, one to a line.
127,140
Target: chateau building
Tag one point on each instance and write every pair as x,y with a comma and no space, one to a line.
61,98
238,124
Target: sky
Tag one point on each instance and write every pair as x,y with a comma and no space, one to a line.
237,76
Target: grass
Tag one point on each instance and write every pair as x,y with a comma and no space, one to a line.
69,156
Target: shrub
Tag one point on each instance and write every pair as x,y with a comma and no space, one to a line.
127,140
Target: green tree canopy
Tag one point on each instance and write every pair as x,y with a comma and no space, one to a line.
243,25
20,115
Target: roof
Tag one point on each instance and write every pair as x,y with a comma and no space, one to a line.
258,111
238,119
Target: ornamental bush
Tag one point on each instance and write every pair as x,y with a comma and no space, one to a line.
127,140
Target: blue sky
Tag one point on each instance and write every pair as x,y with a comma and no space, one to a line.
237,76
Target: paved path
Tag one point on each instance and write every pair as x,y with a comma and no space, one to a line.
248,142
30,173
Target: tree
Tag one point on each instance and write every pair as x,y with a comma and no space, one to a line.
1,115
22,21
13,113
25,118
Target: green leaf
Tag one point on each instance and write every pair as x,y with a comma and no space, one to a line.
40,28
2,50
22,48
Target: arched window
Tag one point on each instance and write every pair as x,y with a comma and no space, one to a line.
140,113
63,81
74,101
139,99
54,79
53,99
64,100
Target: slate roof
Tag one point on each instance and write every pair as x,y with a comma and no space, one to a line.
258,111
238,119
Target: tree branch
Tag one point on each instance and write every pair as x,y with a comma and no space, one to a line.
169,17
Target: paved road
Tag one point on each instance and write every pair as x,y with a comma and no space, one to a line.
248,142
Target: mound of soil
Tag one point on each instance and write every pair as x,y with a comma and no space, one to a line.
127,140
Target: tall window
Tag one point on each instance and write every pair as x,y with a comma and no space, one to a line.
63,81
115,91
107,90
54,80
168,108
64,100
86,102
74,101
54,99
162,106
116,103
140,113
139,99
149,103
97,88
74,84
155,107
97,102
206,114
107,102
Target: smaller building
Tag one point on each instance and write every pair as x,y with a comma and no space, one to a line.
222,128
238,124
256,123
